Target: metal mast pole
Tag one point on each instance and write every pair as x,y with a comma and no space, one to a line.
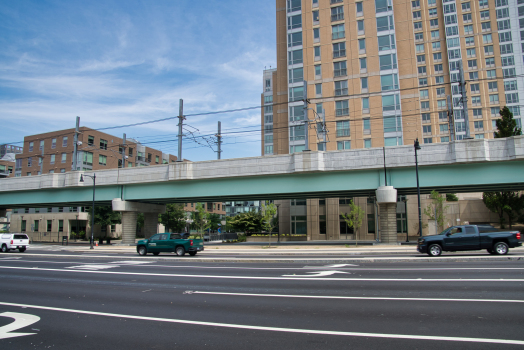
464,99
124,151
306,120
75,149
451,120
219,140
180,123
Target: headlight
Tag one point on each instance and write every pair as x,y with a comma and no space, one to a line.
421,240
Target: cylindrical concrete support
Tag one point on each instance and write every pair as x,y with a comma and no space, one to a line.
150,224
388,222
129,227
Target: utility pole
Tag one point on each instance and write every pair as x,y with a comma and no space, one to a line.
323,132
180,123
42,161
451,120
219,140
306,120
464,99
124,151
75,149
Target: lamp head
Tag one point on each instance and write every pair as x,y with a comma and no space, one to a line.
417,145
81,178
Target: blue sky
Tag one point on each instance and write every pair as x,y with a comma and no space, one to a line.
115,62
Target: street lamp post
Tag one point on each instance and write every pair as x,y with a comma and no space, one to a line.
93,206
417,147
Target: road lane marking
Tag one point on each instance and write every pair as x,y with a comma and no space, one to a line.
274,278
354,298
20,321
340,265
318,274
273,329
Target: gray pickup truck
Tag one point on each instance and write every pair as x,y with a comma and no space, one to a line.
468,237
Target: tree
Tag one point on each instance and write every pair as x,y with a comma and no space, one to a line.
505,202
451,197
246,222
437,211
354,218
269,211
507,126
105,216
174,219
200,219
214,221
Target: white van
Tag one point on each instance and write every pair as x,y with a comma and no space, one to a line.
12,241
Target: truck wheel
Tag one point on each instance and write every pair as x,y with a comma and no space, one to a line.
500,248
192,253
180,251
4,249
21,250
142,250
156,253
434,250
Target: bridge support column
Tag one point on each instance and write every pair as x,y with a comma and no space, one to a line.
387,202
130,212
129,227
150,224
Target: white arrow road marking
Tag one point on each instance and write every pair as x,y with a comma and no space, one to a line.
317,274
340,265
21,321
109,266
92,267
11,258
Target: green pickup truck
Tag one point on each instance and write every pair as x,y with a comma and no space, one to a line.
169,242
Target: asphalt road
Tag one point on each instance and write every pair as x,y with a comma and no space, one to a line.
85,302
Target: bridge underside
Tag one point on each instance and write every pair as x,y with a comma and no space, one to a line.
455,178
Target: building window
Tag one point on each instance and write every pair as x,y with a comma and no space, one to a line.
341,108
339,50
360,27
365,105
295,57
294,39
361,46
88,158
367,143
90,140
340,68
341,145
364,84
392,124
318,89
426,118
366,124
53,143
316,50
337,13
294,22
385,23
386,42
29,161
360,9
102,160
31,144
49,225
52,159
103,144
341,88
342,128
60,225
338,31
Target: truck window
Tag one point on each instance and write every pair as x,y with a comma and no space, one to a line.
174,236
155,237
456,230
20,237
470,230
163,237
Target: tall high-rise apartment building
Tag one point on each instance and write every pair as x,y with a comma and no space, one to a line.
380,72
